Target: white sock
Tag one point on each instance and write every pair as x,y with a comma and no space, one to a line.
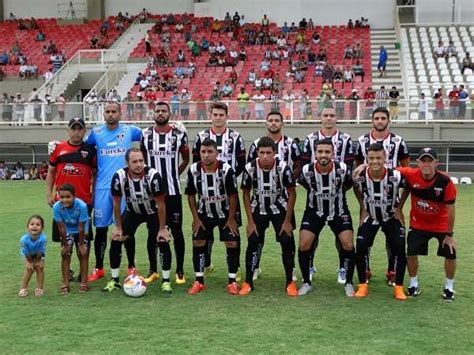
414,281
449,284
165,274
115,273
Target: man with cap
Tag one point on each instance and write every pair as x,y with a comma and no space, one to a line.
74,162
394,96
433,197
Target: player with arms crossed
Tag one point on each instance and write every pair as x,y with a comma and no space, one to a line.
111,139
143,191
326,182
432,214
287,151
377,189
230,147
162,145
273,200
215,184
396,154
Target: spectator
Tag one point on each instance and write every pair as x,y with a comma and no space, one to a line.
147,42
394,96
61,102
465,64
179,28
33,173
339,104
37,104
201,111
316,38
184,102
350,24
227,89
204,44
463,97
348,52
40,37
322,55
357,51
353,98
382,64
19,169
94,42
358,70
454,103
258,83
451,50
114,96
338,75
5,58
285,29
243,101
180,57
3,171
265,21
440,51
215,96
220,49
216,26
143,83
242,54
318,69
348,76
305,105
233,76
212,61
7,108
43,170
328,72
259,99
310,26
18,110
326,87
423,107
439,105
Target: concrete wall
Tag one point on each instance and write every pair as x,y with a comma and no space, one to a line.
112,7
432,11
42,8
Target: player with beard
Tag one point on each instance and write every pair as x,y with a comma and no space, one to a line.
230,147
343,152
326,182
286,150
162,146
396,154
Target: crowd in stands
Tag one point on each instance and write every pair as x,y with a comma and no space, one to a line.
19,172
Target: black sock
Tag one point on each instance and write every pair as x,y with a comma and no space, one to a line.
151,247
179,249
288,257
100,244
209,244
251,257
232,261
116,279
200,279
362,264
340,253
199,258
349,264
130,250
165,255
304,261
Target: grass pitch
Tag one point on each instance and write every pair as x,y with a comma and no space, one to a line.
214,322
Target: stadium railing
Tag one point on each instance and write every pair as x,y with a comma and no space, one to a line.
294,112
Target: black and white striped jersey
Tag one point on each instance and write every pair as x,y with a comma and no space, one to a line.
230,146
287,151
380,197
161,152
213,189
269,187
326,192
139,194
394,146
342,142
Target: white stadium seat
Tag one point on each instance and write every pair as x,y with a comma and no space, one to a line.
455,180
466,180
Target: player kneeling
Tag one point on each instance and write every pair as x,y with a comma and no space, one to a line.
216,186
273,200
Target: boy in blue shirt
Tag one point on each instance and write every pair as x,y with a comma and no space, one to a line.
71,216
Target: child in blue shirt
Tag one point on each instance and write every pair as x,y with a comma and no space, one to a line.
33,250
72,218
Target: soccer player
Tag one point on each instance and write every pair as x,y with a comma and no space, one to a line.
343,152
74,162
162,146
287,151
326,182
111,139
72,217
215,183
33,250
230,147
433,197
377,189
396,154
273,200
143,190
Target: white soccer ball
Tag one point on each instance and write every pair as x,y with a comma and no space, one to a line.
134,286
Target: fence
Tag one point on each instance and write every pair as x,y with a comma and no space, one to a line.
360,111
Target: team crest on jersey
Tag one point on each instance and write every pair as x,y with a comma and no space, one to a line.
205,135
393,179
172,140
308,174
121,137
395,139
229,143
195,173
147,133
341,171
364,140
251,170
234,135
360,179
84,153
438,191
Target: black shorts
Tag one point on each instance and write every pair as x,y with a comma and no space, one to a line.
393,229
418,243
174,211
131,221
315,224
263,222
73,239
55,231
225,235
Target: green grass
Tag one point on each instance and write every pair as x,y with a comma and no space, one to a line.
214,322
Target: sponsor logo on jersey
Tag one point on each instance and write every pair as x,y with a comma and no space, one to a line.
114,152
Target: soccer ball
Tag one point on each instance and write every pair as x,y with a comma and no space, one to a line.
134,286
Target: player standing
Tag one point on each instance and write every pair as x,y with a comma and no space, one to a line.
326,182
143,191
287,151
377,189
433,197
272,201
215,184
343,153
396,153
111,139
162,146
230,147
